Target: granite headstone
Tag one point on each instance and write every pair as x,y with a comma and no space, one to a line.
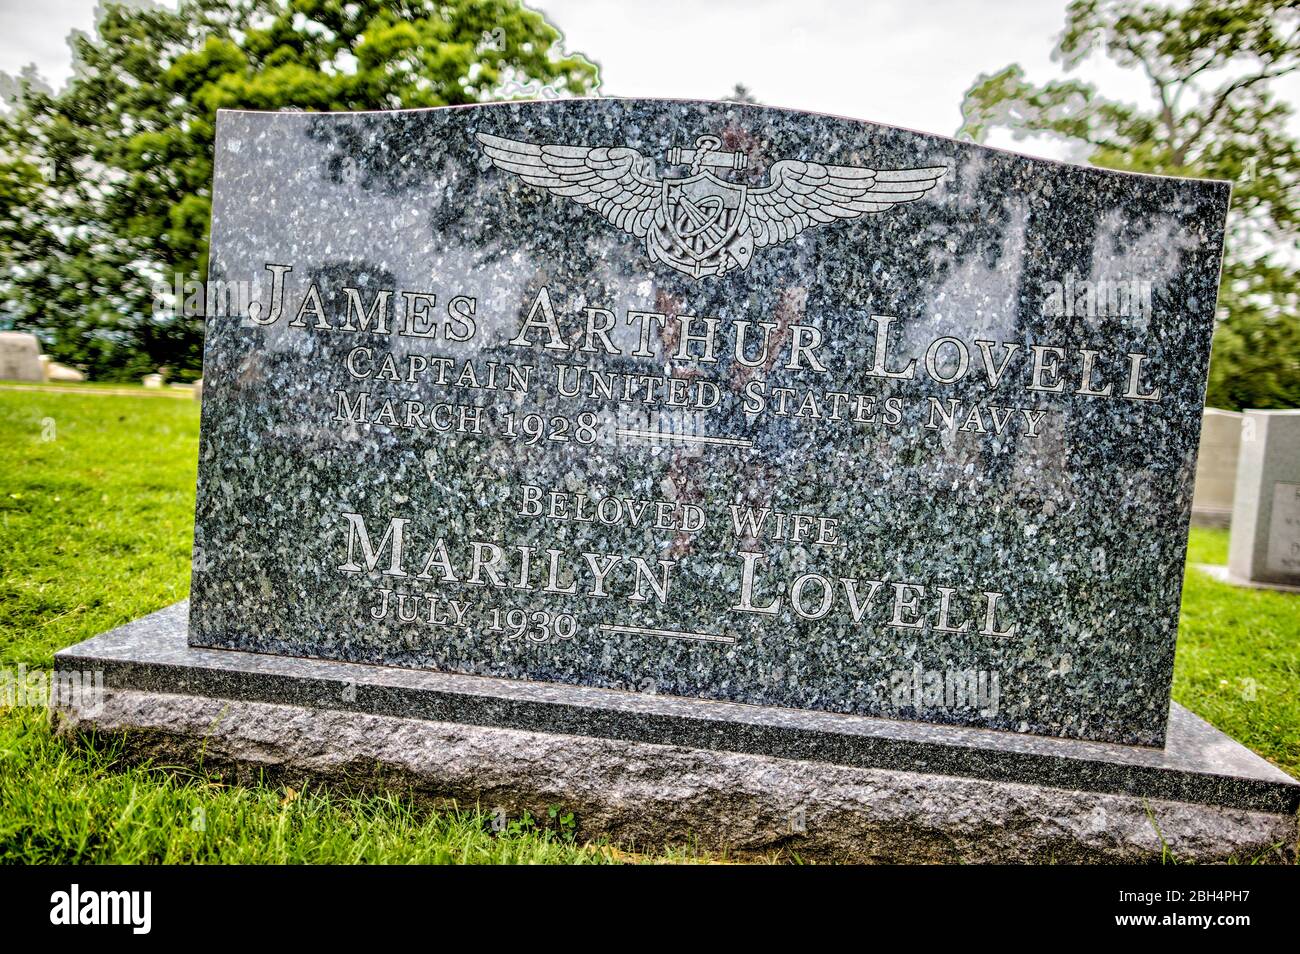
20,357
706,400
1265,545
1216,468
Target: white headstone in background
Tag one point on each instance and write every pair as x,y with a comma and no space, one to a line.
61,372
152,380
20,357
1216,468
1265,545
1284,531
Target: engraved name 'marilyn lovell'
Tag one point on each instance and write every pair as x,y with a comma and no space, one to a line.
819,414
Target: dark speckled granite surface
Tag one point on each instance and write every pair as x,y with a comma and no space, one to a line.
992,537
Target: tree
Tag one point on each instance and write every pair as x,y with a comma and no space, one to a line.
123,155
740,94
1212,114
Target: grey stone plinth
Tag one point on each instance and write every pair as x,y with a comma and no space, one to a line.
1221,573
645,794
1214,519
1265,546
657,770
1216,468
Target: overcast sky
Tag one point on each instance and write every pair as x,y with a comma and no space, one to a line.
902,62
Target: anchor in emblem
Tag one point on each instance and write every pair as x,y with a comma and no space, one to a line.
700,224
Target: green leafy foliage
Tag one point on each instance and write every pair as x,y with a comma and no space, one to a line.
105,186
1212,114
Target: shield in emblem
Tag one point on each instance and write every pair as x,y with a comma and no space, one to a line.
698,227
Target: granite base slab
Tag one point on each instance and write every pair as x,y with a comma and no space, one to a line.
644,796
1221,573
1214,519
728,776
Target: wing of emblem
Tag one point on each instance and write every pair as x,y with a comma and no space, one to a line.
616,181
804,194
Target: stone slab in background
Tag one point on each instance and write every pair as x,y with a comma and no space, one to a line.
1265,544
55,372
1216,468
1221,573
1034,536
20,357
655,769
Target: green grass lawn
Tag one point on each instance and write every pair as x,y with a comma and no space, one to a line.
167,390
1238,663
96,519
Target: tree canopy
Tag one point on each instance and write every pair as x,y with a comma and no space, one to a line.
105,185
1212,114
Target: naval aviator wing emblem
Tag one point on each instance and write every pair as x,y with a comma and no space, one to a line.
701,224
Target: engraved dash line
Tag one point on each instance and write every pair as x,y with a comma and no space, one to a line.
687,438
670,633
